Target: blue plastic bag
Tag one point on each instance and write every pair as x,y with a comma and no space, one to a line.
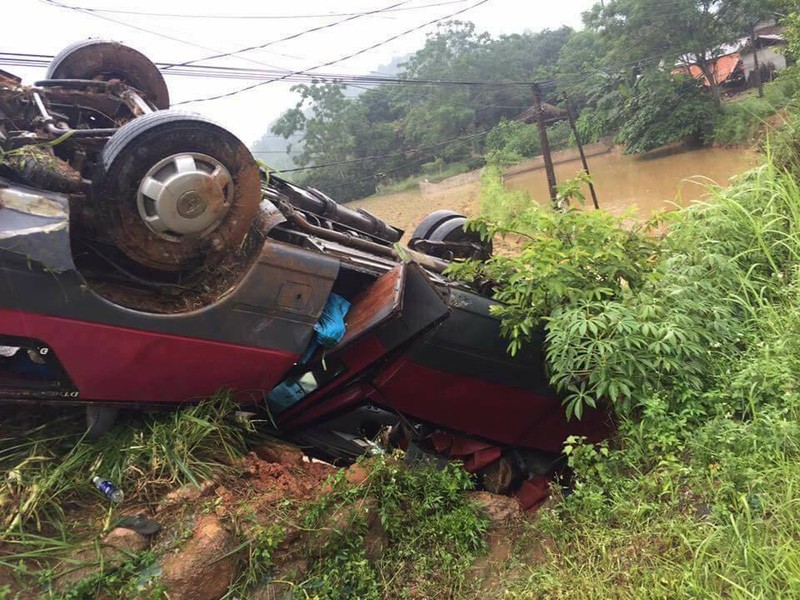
330,328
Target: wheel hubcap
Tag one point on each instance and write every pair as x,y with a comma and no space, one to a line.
185,194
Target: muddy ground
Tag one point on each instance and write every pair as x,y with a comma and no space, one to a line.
209,536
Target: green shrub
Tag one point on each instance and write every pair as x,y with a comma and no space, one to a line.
559,135
738,122
510,142
434,532
661,110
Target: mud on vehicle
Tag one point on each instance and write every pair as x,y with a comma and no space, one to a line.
148,261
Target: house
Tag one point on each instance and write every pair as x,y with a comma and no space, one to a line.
728,71
768,48
734,68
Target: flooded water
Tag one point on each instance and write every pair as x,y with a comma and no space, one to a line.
660,180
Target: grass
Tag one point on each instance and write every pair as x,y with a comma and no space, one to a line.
433,533
48,466
696,496
741,120
55,519
744,119
410,183
664,540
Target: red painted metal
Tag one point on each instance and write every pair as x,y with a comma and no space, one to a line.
317,405
474,454
120,364
478,407
532,493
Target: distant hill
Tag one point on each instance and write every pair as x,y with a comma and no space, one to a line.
271,149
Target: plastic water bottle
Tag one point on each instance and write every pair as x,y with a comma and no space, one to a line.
108,489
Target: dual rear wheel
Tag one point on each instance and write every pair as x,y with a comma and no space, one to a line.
173,191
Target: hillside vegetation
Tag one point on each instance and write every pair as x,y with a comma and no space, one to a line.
693,339
617,73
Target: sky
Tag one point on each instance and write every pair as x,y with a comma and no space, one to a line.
197,31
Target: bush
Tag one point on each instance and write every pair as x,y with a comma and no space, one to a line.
663,109
559,135
434,532
510,142
695,497
739,121
593,124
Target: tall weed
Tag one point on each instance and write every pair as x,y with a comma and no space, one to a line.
696,494
49,467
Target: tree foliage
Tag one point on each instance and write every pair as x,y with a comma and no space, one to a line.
617,72
661,110
410,125
649,33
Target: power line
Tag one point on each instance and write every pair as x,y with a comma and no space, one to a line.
267,76
58,4
292,36
335,61
285,152
389,155
253,17
403,166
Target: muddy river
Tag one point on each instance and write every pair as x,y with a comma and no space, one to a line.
661,180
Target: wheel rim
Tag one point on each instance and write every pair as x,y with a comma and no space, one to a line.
185,194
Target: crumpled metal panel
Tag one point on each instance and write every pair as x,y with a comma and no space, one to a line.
34,225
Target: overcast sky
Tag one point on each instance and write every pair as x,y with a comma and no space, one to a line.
40,27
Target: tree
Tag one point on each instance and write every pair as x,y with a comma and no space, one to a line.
340,131
411,125
651,33
664,109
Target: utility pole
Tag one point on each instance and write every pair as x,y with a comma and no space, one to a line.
756,65
546,156
571,119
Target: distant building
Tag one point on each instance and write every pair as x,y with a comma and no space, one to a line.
734,68
727,70
771,58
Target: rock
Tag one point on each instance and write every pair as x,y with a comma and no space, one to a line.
284,454
499,509
204,568
362,513
188,493
125,540
356,474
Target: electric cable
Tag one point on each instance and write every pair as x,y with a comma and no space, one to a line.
255,17
337,60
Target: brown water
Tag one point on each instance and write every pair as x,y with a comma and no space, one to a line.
661,180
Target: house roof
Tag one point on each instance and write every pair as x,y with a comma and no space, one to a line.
724,66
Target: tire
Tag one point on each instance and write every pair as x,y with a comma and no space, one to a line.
427,226
452,230
99,420
106,60
209,186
